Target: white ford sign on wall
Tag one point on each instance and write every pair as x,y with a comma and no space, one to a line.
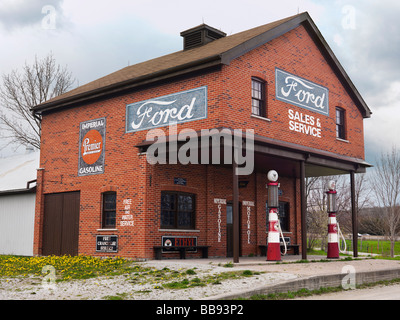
177,108
301,92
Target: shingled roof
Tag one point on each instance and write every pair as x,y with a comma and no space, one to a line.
218,52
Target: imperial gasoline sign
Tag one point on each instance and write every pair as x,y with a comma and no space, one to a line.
92,136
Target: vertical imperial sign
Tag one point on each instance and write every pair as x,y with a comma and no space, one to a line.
92,137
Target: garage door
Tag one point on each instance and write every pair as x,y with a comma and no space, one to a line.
61,224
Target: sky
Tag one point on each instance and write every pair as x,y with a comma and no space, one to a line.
95,38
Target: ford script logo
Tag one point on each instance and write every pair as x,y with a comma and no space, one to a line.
301,92
159,112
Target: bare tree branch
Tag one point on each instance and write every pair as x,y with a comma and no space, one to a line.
21,91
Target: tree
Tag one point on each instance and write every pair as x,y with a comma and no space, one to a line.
386,185
21,91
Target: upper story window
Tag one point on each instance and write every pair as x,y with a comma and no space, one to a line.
258,106
109,210
340,123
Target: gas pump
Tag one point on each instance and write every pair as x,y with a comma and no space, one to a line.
274,228
333,244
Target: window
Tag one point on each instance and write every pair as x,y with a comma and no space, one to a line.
283,211
177,210
340,124
109,209
258,97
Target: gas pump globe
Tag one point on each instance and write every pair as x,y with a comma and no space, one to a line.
332,197
273,189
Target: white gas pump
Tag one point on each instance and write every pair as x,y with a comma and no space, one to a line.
274,228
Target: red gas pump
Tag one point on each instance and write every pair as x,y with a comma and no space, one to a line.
274,250
333,244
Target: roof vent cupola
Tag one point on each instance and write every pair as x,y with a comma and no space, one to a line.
200,36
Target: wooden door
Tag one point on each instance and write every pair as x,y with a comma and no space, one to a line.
61,224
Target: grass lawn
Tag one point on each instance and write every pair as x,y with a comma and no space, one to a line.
374,246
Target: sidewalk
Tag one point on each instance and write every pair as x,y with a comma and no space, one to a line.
311,275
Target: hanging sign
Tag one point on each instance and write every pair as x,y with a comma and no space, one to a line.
176,108
301,92
92,137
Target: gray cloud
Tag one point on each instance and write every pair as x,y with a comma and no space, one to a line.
372,47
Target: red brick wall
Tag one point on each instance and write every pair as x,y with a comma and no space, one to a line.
229,105
296,53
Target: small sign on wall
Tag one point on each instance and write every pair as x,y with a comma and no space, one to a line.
107,244
180,181
174,241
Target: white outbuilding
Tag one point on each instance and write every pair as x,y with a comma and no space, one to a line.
17,203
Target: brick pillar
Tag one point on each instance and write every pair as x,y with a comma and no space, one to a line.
39,214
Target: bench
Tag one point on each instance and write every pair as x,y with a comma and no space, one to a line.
295,248
182,250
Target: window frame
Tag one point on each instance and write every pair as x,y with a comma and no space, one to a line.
261,101
176,212
340,121
106,211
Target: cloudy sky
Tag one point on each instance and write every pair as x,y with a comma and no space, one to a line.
95,38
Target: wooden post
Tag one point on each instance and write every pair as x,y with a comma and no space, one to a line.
303,210
236,235
354,214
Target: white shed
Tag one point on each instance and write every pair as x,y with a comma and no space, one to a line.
17,203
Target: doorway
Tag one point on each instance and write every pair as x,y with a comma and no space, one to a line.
61,224
229,230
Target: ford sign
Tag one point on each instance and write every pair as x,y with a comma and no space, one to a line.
159,112
301,92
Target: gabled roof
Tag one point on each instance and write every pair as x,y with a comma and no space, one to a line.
218,52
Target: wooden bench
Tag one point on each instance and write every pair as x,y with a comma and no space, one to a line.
295,247
182,251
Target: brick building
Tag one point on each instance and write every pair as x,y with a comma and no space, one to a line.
98,193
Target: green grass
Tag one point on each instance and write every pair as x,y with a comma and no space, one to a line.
366,246
374,246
